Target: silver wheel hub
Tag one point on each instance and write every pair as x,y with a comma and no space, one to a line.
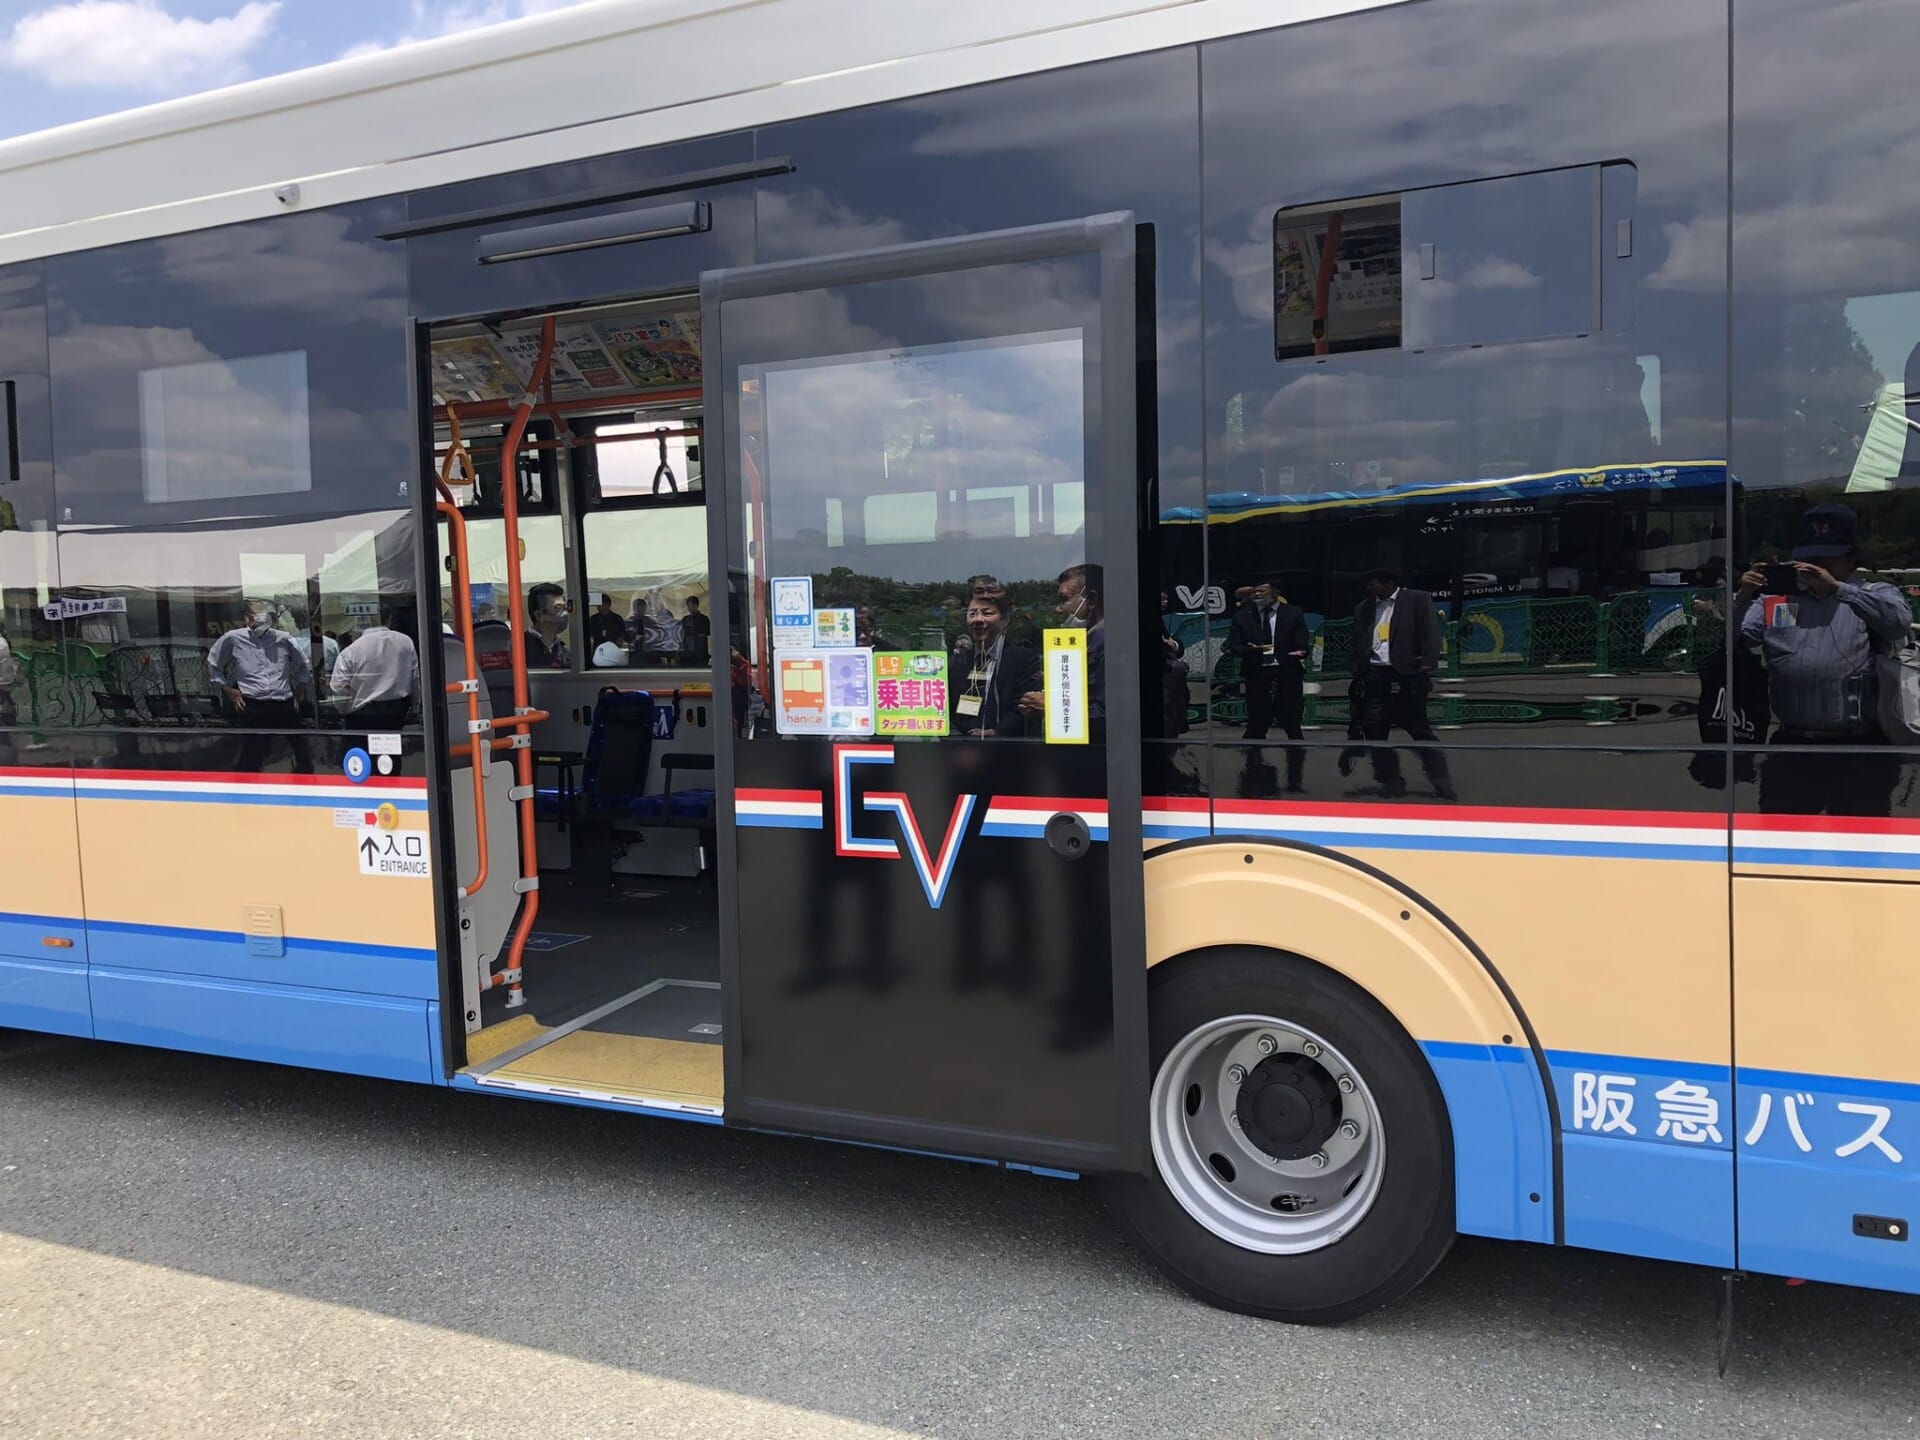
1266,1135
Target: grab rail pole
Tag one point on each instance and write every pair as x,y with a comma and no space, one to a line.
463,593
523,712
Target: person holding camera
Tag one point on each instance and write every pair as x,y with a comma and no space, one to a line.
1819,621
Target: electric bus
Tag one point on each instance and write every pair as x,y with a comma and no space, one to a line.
715,560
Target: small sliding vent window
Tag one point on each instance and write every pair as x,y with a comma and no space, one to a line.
1517,257
1336,278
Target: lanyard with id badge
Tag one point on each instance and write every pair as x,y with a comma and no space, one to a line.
973,700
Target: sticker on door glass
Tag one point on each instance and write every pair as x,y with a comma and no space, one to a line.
910,693
824,692
1066,687
793,612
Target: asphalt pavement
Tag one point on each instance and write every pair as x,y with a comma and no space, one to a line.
208,1248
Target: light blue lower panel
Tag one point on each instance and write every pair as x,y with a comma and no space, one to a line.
1797,1219
1667,1202
49,995
354,1034
1502,1139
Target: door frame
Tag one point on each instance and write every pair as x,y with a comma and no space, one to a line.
1110,236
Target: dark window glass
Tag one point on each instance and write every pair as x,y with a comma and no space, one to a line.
235,483
1517,410
33,689
1826,394
252,372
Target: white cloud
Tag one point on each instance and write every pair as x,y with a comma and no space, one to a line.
135,44
430,19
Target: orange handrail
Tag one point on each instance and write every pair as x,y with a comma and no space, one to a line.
523,712
463,591
463,594
1323,282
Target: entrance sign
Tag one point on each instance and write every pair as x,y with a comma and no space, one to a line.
1065,676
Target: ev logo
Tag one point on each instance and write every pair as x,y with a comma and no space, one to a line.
935,870
357,765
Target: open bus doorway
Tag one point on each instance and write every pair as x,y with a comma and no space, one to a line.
589,952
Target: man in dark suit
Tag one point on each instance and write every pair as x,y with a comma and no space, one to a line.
1396,649
1270,637
987,681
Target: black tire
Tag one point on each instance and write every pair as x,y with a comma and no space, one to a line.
1409,1227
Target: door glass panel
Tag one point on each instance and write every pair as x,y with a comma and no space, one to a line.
936,488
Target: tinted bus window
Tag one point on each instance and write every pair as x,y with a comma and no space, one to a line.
235,484
33,691
1497,415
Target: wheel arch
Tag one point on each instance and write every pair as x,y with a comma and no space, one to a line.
1400,948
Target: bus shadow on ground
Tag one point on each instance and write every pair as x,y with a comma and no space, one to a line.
848,1280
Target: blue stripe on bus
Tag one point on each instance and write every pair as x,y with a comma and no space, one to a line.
1487,845
372,799
1847,859
780,822
395,971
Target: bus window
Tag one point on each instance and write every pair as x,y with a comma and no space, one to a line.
647,576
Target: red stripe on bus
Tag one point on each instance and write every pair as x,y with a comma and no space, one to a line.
783,797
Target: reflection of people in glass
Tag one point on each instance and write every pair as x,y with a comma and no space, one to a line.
546,642
1270,637
1396,650
1173,676
989,676
257,668
378,675
695,632
1818,628
9,676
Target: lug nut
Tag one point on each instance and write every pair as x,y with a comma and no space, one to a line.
1349,1129
1313,1050
1318,1159
1233,1118
1268,1045
1346,1084
1236,1073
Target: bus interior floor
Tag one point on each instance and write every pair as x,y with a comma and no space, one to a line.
591,944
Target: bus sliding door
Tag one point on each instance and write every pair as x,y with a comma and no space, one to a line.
930,851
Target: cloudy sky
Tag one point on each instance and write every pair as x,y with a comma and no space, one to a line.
67,60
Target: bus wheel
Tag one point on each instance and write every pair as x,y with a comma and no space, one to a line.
1303,1163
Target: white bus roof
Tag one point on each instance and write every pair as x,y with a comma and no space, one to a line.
606,76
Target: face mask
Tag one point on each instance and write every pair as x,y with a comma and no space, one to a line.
258,620
1078,614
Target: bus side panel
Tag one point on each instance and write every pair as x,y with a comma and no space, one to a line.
1829,1107
254,892
43,942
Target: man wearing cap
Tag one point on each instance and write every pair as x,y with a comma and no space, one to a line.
1819,645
